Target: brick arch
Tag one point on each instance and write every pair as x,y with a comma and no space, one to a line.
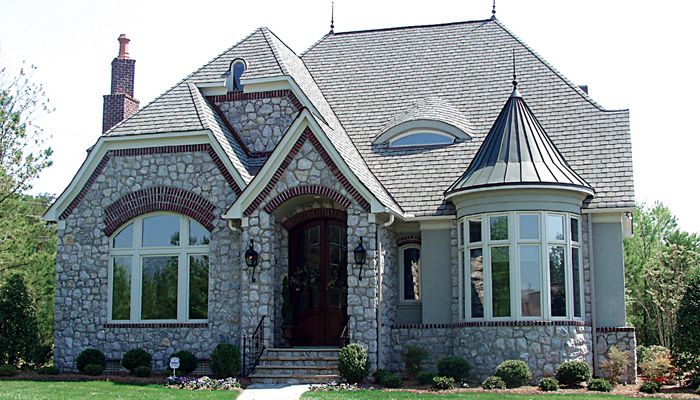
332,213
159,198
314,190
408,239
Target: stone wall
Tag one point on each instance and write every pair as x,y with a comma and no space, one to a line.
390,292
624,339
83,255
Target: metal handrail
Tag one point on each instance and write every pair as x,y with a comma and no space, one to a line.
344,338
257,347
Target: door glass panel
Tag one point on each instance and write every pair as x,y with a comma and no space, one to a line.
557,281
411,274
500,273
161,230
159,288
530,286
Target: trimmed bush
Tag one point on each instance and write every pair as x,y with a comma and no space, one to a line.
142,371
413,357
650,387
379,374
226,361
94,369
90,356
48,370
8,370
188,362
391,381
454,367
493,382
515,373
548,385
573,373
443,382
353,363
135,358
425,378
600,385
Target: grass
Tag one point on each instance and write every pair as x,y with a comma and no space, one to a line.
30,390
401,395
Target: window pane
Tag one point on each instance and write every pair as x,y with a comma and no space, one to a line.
477,282
161,230
422,139
500,277
529,226
530,286
574,229
121,288
159,288
411,274
199,287
557,281
199,235
238,69
461,238
499,227
575,270
474,230
555,227
125,238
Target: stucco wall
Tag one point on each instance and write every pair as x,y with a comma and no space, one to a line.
436,276
609,274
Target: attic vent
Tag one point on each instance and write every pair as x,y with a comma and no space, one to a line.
238,67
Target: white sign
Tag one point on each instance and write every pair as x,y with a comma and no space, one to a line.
174,363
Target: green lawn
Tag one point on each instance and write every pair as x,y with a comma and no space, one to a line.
398,395
29,390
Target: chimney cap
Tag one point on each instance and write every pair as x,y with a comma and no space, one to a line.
123,46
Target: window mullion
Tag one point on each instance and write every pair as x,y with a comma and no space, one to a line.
568,275
513,267
546,306
486,254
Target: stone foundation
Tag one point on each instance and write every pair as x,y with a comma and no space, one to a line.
624,339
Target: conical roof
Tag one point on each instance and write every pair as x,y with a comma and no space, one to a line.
517,151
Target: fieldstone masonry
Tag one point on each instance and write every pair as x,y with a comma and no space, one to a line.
624,339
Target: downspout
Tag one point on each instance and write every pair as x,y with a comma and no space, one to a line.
380,270
594,335
233,227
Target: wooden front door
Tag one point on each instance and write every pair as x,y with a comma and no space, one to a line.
318,281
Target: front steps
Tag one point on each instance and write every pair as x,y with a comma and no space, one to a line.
297,365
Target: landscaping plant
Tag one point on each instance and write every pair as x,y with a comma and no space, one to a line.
425,378
600,385
413,357
493,382
515,373
94,369
142,371
573,373
379,374
616,364
548,384
188,362
8,370
135,358
454,367
90,356
226,361
48,370
650,387
443,382
18,326
391,381
353,363
658,368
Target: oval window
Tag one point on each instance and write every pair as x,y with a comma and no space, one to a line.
422,139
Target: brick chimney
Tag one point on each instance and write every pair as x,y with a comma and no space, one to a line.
120,104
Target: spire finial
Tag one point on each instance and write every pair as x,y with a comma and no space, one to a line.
493,10
515,93
332,14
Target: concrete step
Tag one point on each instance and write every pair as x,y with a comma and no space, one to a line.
296,370
297,365
302,352
298,361
292,378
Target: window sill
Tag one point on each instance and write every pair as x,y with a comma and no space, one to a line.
156,325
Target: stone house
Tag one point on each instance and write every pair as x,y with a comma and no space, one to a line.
386,187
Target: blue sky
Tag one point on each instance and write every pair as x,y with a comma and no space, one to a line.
640,55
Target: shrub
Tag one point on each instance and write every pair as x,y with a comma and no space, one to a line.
443,382
90,356
645,353
379,374
391,381
41,355
425,378
650,387
226,361
188,362
548,385
689,368
94,369
142,371
616,364
515,373
48,370
454,367
135,358
353,363
657,368
18,331
573,373
493,382
413,357
600,385
687,332
8,370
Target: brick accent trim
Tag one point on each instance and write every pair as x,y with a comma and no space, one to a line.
149,151
156,325
327,213
307,135
408,239
611,329
158,199
233,96
489,323
306,190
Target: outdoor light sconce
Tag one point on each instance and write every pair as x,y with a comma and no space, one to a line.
360,255
251,258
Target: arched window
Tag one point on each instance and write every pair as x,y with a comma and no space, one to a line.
159,270
238,66
421,138
409,273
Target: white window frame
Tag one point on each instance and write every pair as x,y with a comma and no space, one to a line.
514,242
403,248
137,252
393,145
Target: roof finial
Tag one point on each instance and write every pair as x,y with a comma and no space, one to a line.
515,93
332,12
493,10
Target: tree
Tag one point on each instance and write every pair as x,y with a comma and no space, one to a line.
18,328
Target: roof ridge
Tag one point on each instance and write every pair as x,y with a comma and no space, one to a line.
316,43
265,31
412,27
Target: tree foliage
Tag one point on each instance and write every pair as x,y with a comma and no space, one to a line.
18,328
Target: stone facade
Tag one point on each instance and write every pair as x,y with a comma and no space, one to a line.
624,339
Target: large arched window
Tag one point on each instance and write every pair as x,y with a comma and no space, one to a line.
159,270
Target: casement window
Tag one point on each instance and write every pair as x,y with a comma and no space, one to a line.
159,270
520,266
409,274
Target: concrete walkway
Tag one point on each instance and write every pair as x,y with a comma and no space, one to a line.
273,392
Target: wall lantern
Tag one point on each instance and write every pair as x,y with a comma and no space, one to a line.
251,258
360,255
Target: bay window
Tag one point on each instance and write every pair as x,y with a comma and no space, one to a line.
159,270
520,265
